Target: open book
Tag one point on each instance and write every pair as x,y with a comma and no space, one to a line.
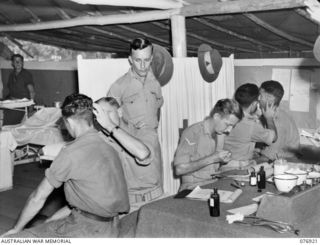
204,195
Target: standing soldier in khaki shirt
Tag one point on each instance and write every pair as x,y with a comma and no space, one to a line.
138,91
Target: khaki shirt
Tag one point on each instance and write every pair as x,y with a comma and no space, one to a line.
140,178
92,174
242,139
288,141
140,102
196,142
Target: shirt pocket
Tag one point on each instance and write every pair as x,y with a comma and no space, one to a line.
134,105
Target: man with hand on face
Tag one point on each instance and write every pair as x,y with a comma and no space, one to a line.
92,175
288,140
196,158
137,150
138,92
242,139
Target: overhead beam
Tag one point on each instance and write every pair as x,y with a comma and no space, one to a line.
157,4
306,15
89,20
276,31
63,14
242,6
210,8
161,40
225,46
234,34
70,44
20,46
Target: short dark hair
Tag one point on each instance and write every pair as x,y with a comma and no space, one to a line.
78,106
226,107
16,56
140,43
110,100
246,94
275,88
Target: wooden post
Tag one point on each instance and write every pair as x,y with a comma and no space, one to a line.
179,38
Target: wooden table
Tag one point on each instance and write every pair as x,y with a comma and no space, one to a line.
172,217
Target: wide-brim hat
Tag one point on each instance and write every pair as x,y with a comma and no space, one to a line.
162,65
316,49
210,62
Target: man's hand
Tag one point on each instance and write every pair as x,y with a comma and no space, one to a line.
269,111
223,156
103,117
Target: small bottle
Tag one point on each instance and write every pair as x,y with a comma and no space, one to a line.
261,179
253,178
214,203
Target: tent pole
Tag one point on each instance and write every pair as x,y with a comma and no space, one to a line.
179,38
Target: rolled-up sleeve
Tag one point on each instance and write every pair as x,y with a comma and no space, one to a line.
261,134
115,92
185,148
60,169
150,141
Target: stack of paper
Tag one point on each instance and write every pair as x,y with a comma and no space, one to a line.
204,195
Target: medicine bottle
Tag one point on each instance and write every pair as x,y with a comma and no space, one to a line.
214,203
261,178
253,178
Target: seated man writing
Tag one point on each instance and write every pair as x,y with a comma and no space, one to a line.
139,152
242,139
196,157
93,178
288,140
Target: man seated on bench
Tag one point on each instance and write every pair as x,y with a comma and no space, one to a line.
93,179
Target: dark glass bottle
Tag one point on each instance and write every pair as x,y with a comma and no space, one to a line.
261,178
214,203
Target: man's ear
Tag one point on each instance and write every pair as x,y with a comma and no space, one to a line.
130,59
216,116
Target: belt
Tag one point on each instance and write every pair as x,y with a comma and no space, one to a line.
145,197
94,216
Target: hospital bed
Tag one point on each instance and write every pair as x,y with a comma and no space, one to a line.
41,129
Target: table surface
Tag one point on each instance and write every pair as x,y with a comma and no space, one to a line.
172,217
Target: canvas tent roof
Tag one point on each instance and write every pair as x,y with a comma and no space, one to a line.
246,28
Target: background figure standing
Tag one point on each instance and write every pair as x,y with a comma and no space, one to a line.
20,85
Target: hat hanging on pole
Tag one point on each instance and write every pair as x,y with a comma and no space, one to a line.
162,65
210,62
316,49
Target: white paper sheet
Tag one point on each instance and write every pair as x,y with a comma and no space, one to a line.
283,76
245,210
204,195
300,90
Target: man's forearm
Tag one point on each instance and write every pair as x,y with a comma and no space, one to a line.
60,214
31,208
271,125
133,145
192,166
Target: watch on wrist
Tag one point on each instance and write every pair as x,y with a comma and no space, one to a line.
115,128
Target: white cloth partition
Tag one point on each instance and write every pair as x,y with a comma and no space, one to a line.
186,96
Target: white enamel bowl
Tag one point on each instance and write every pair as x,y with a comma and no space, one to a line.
301,174
285,182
